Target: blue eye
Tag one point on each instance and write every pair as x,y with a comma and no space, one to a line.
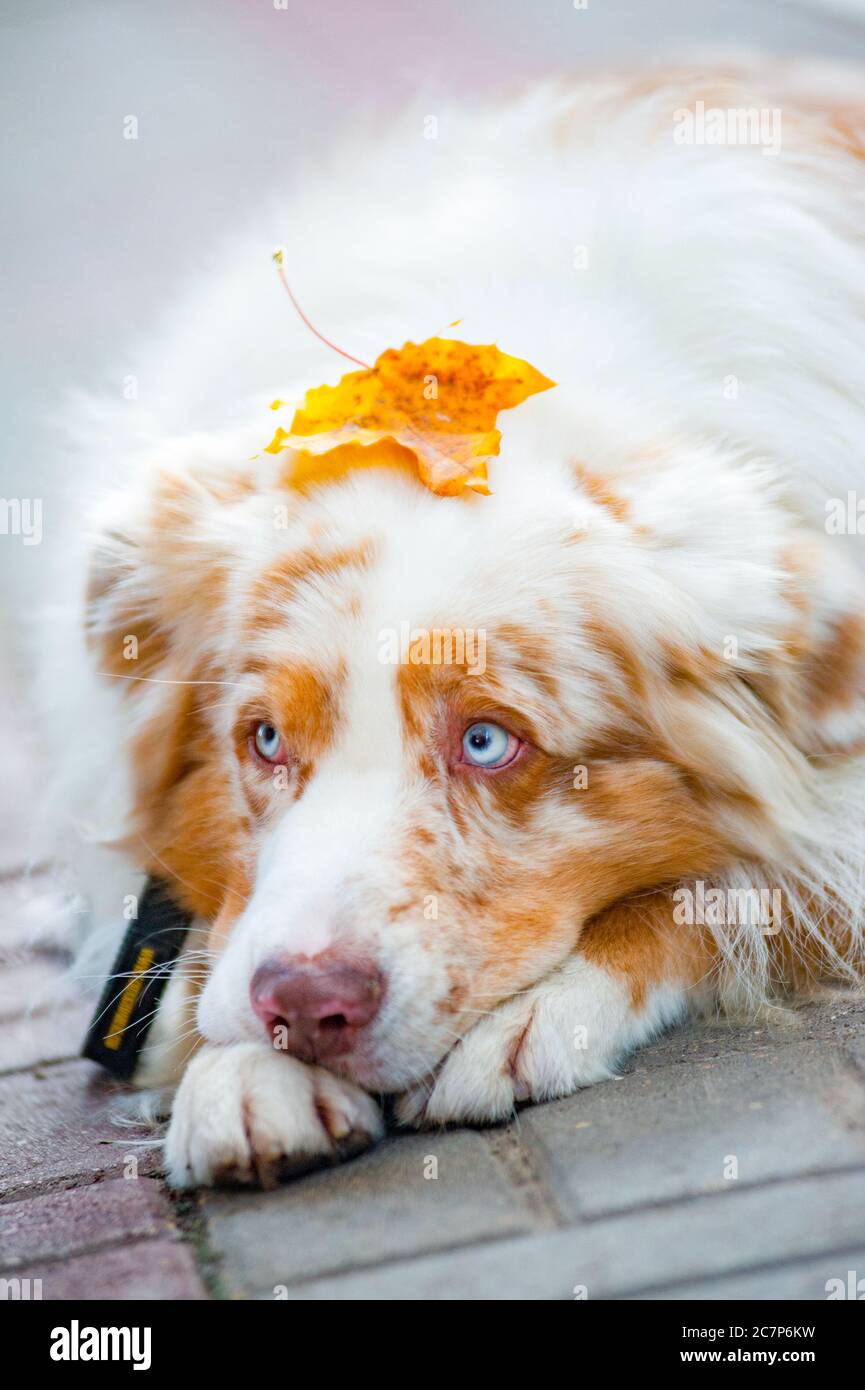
268,742
489,745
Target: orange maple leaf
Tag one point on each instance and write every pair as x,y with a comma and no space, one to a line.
429,408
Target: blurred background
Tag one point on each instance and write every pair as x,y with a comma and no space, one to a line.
230,95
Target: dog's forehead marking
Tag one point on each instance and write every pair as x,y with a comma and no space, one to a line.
365,569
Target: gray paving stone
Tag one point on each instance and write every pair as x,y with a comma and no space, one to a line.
784,1283
376,1208
854,1048
701,1042
839,1018
658,1135
731,1235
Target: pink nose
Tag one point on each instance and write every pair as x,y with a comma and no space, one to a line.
315,1008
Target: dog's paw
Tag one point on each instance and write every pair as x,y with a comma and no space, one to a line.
246,1115
566,1033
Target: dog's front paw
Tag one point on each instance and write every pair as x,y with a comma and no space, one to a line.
246,1115
476,1081
565,1033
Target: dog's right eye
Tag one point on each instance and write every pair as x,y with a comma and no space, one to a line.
268,743
488,745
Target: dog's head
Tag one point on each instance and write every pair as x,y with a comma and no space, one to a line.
398,749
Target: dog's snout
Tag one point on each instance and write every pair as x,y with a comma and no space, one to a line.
315,1008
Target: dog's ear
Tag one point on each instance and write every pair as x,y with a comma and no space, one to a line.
823,654
121,612
156,569
156,619
154,610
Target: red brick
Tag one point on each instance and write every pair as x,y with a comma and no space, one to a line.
82,1219
157,1270
56,1126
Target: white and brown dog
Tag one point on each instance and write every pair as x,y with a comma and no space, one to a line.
482,879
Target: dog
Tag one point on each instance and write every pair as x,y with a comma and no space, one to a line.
473,877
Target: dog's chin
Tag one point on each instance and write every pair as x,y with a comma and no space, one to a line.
382,1075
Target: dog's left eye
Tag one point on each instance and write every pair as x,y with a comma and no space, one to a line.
489,745
268,742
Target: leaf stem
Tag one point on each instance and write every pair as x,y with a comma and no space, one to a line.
279,262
